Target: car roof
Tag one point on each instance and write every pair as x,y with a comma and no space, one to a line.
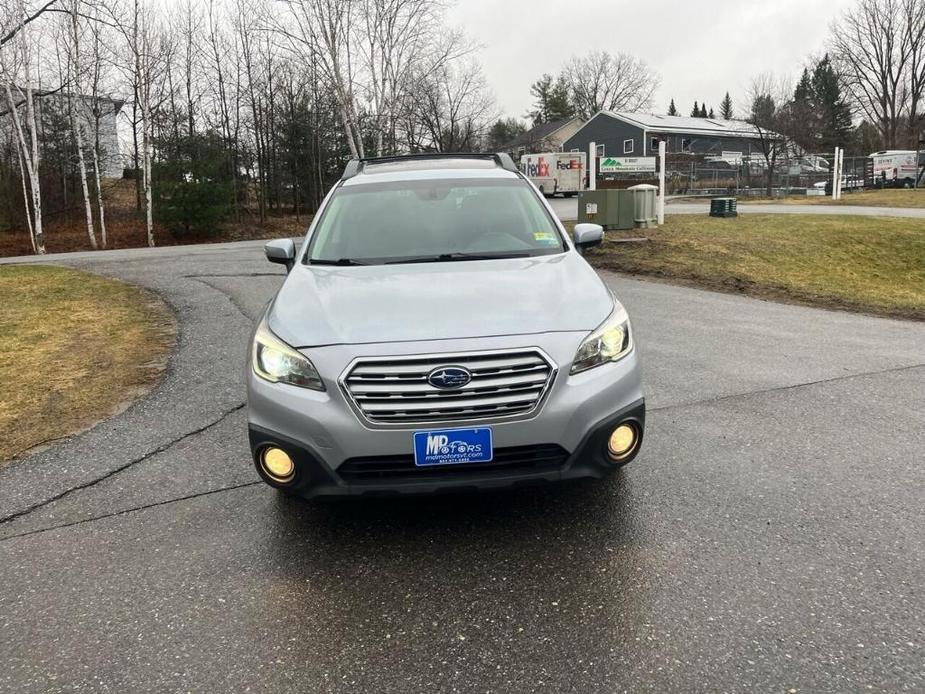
428,166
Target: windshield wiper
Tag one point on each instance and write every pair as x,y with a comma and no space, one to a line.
338,261
449,257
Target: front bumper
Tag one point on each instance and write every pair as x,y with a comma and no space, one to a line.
315,478
337,454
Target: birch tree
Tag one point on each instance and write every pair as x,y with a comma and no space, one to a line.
148,49
320,32
16,65
70,37
397,38
96,104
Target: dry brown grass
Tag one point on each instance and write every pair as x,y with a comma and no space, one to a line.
74,348
888,197
126,229
871,264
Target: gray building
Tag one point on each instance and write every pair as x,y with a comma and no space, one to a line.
51,112
619,134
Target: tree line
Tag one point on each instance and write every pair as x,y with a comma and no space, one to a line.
233,108
244,109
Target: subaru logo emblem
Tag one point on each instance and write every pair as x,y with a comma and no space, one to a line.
449,377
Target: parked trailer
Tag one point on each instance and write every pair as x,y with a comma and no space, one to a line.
556,172
895,167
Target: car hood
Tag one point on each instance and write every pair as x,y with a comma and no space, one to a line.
325,305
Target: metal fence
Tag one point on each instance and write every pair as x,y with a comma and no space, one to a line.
807,174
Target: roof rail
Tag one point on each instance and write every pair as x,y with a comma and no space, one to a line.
502,159
351,170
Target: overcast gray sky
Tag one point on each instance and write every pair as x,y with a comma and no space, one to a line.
700,49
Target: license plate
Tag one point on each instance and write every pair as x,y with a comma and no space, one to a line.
452,446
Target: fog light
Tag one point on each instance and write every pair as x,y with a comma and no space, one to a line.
622,441
277,464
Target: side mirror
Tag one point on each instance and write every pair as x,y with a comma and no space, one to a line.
587,236
281,251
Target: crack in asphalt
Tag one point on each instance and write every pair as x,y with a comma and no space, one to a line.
794,386
251,484
228,295
160,449
165,446
234,274
124,511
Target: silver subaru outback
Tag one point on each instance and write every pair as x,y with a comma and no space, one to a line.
438,330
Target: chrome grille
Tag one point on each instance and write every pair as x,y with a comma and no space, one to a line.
396,390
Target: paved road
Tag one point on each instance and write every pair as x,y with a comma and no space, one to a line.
770,537
567,208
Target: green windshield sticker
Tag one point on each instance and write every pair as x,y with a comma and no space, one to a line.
545,237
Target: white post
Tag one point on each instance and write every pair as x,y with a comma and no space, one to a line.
592,166
839,161
835,173
661,182
841,172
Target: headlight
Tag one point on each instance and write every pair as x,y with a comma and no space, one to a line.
610,342
276,361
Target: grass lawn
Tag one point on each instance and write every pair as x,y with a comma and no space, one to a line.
888,197
74,349
871,264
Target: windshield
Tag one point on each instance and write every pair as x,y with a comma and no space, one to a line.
433,221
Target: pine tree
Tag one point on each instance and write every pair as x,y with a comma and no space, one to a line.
560,100
711,114
819,111
540,91
551,100
695,112
804,113
725,108
672,110
834,113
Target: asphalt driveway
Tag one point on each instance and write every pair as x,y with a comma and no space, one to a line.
770,536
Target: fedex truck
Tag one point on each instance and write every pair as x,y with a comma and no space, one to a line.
556,172
895,167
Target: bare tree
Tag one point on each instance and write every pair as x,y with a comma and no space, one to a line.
875,47
914,20
396,41
148,47
602,81
769,119
452,110
320,31
25,18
